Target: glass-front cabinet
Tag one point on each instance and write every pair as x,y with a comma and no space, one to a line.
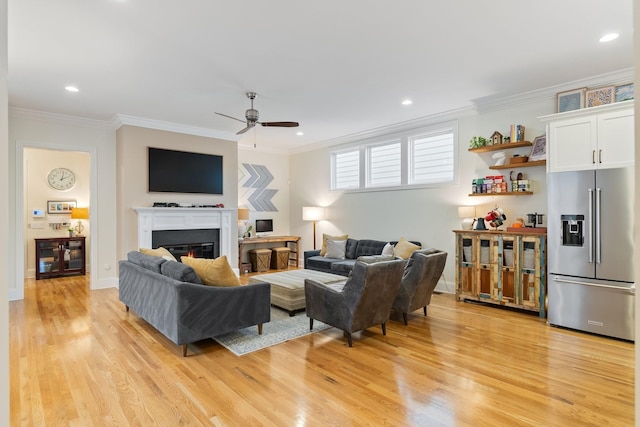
502,267
60,257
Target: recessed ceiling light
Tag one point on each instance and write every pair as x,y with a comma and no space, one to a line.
72,89
299,133
407,102
609,37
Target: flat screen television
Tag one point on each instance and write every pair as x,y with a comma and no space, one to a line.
173,171
264,226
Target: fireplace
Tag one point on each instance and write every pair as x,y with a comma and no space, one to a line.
212,231
198,243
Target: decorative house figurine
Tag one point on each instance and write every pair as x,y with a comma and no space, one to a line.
496,138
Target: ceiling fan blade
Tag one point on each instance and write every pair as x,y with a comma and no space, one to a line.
281,124
224,115
240,132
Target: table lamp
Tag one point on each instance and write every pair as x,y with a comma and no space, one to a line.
313,213
468,214
79,214
243,217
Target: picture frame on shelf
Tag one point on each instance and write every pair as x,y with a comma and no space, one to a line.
60,206
624,92
539,149
600,96
571,100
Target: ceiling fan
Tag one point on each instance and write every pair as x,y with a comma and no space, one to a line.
252,116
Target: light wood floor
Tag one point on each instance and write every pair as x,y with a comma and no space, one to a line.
78,359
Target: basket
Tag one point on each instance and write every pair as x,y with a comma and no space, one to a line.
518,159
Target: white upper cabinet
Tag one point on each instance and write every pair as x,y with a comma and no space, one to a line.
590,138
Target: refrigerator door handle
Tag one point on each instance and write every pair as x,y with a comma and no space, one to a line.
589,227
598,228
631,290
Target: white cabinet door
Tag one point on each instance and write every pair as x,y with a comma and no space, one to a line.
615,139
572,144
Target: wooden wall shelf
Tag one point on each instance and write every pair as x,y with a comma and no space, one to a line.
508,193
498,147
520,165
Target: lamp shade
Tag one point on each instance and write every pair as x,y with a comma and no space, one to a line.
243,214
312,213
79,213
466,212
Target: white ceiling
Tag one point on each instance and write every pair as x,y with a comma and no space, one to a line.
337,67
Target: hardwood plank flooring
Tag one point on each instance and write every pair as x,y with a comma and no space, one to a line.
79,359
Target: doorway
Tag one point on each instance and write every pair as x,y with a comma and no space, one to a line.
34,216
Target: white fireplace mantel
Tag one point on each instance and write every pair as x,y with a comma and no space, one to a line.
154,219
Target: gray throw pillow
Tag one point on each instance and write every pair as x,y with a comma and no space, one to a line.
335,249
179,271
370,259
149,262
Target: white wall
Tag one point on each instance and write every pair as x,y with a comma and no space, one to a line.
60,133
428,214
37,163
132,143
278,166
4,222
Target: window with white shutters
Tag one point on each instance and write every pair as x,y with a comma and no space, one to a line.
383,164
423,157
431,159
345,169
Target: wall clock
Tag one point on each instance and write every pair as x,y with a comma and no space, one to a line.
61,179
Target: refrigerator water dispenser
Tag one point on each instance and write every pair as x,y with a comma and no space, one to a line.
572,230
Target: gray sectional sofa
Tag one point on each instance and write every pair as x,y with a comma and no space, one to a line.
354,249
171,297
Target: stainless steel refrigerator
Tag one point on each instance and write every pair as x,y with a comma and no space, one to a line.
591,252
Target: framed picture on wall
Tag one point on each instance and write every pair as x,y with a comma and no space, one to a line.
624,92
571,100
539,149
60,206
600,96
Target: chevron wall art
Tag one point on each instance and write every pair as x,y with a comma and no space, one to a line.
253,181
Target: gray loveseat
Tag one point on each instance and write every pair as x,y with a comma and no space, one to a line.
354,249
171,297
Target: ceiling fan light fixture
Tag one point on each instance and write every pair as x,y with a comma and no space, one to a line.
407,102
71,89
252,116
299,133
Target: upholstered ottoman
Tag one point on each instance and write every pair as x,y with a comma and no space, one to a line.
287,288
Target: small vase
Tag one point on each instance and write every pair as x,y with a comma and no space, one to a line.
70,233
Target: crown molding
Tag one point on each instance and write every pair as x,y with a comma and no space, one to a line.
481,105
122,119
488,104
389,129
60,119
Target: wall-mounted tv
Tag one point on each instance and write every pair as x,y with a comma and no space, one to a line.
264,226
173,171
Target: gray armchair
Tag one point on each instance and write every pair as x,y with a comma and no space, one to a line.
421,275
362,301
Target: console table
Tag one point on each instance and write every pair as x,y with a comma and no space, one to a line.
60,256
292,242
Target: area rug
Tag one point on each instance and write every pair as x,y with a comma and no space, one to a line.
280,329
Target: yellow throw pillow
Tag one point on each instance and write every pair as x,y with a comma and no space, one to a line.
214,272
325,237
160,252
404,248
